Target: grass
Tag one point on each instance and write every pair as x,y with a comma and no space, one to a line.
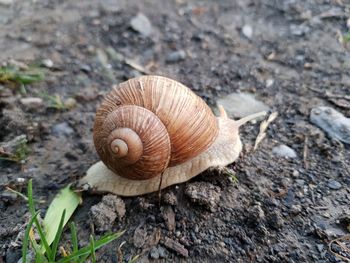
231,175
48,249
55,101
20,154
346,37
19,77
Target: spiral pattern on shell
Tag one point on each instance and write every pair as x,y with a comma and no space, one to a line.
149,123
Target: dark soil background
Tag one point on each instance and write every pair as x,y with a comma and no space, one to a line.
281,210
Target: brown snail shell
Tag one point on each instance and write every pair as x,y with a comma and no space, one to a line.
158,122
151,126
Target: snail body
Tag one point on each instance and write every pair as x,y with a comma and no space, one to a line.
153,127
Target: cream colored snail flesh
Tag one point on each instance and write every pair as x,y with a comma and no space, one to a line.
151,127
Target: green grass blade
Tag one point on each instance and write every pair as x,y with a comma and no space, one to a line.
26,238
36,222
67,200
30,197
134,259
45,246
58,236
74,238
87,250
92,247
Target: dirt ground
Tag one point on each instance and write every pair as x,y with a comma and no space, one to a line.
289,54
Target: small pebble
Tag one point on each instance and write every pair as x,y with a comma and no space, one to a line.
269,82
47,63
334,185
175,56
284,151
32,102
154,253
141,24
320,247
247,31
334,123
70,103
235,104
295,209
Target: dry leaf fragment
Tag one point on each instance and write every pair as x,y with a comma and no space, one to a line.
263,128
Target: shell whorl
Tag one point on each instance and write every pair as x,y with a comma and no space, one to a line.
149,123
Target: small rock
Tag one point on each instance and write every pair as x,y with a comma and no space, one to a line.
300,182
170,198
176,246
334,185
204,193
85,68
140,236
255,215
236,104
154,253
275,220
295,209
175,56
334,123
6,2
320,247
284,151
105,213
62,129
141,24
162,252
247,31
158,252
269,82
32,102
289,199
70,103
47,63
8,197
109,6
169,217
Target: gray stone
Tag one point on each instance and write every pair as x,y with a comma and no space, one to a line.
241,104
176,56
154,253
334,123
334,185
284,151
62,129
141,24
32,102
6,2
247,31
158,252
47,63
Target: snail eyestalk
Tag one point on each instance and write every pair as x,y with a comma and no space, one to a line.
119,147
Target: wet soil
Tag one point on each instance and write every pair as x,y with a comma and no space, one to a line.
289,54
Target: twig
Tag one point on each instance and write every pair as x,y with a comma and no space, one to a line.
337,241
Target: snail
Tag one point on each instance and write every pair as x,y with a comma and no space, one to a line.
151,132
